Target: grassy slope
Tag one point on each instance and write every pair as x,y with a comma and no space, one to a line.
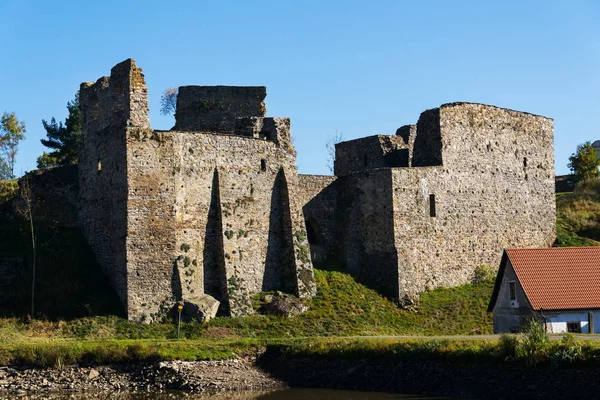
578,216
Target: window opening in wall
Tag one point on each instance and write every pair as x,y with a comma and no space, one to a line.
311,232
512,290
99,165
366,160
525,162
574,327
432,205
263,165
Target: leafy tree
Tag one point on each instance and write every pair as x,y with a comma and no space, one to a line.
584,162
168,101
63,139
12,131
4,169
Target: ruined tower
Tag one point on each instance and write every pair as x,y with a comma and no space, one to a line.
206,208
425,207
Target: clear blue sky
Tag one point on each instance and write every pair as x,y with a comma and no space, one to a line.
358,67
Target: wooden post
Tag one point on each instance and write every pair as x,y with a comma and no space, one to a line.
591,322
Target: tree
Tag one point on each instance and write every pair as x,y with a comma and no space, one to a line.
4,169
584,162
25,206
12,131
62,139
330,143
168,101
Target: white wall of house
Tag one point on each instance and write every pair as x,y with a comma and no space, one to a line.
557,322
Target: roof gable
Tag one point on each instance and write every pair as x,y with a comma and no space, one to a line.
556,278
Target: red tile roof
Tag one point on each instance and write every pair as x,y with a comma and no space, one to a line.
558,278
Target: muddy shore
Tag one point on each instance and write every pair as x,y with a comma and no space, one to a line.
190,376
432,378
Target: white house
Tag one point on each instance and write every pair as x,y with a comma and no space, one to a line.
559,286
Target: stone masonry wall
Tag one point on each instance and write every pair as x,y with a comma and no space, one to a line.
212,214
110,107
371,152
318,195
495,190
366,228
177,214
216,108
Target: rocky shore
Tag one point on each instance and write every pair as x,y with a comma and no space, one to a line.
194,376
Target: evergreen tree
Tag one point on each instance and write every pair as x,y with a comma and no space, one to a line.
63,139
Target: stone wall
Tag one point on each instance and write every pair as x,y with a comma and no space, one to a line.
210,209
318,195
54,195
366,220
371,152
482,180
216,206
495,190
216,108
111,108
212,214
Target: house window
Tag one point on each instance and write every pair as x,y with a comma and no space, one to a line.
574,327
263,165
512,290
99,165
432,205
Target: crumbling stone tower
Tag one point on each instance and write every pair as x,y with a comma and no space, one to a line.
209,207
425,207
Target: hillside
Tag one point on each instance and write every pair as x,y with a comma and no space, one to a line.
578,216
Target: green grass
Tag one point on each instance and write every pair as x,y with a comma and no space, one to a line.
342,307
578,216
57,353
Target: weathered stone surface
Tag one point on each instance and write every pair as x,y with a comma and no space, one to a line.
216,206
216,108
202,210
201,308
283,305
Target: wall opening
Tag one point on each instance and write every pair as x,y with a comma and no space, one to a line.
312,232
432,212
525,162
263,165
366,160
99,165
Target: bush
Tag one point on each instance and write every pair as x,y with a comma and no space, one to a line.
591,186
535,343
567,352
508,347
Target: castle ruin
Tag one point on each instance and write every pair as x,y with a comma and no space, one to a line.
216,207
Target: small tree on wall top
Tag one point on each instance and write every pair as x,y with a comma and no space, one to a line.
168,101
584,162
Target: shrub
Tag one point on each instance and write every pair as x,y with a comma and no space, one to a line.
567,352
535,343
508,347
